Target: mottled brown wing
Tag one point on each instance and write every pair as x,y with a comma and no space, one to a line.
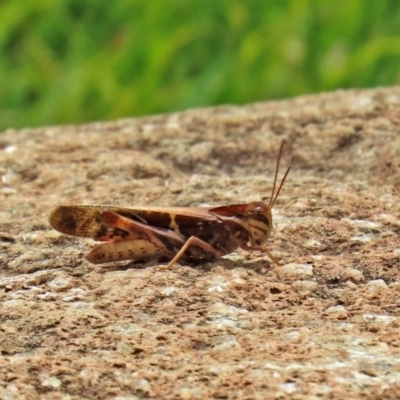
86,220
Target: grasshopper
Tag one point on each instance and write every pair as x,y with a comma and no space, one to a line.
192,234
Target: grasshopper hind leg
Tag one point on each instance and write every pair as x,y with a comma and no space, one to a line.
149,242
135,250
207,251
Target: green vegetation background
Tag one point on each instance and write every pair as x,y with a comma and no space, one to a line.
71,61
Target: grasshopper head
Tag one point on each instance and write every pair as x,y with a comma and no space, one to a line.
259,216
259,222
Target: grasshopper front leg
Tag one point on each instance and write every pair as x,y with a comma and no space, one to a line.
262,250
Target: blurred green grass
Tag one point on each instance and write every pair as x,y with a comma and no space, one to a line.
72,61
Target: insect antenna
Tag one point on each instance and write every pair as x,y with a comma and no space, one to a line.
273,195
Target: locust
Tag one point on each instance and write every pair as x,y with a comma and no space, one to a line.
170,234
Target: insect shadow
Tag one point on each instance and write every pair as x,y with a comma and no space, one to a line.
258,266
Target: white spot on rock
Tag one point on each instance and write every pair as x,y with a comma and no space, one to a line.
305,288
295,271
376,287
47,296
336,310
60,283
217,288
312,244
169,291
380,319
124,348
74,295
354,275
363,238
226,346
52,382
225,310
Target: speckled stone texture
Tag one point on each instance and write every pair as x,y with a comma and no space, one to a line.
324,325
